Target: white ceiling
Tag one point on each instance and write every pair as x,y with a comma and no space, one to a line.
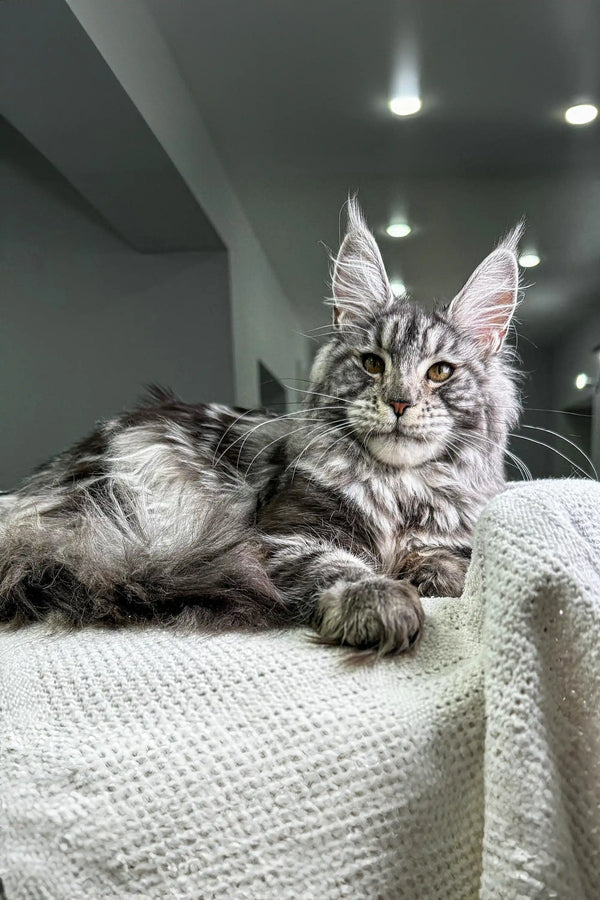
294,93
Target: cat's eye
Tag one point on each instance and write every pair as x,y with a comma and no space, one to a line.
440,371
372,364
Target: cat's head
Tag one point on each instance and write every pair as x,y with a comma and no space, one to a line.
415,385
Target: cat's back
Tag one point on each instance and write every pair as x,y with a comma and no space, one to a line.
229,439
167,440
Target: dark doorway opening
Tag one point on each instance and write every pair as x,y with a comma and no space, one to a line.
272,392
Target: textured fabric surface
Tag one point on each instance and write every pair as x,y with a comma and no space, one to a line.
146,764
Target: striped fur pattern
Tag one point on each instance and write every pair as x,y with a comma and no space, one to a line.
338,516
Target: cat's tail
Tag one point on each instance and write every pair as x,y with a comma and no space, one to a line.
116,561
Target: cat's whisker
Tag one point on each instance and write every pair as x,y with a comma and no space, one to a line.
329,429
562,412
523,437
269,421
519,464
563,438
257,410
310,337
328,449
303,451
366,438
312,479
246,412
318,394
513,458
286,435
334,330
345,326
314,420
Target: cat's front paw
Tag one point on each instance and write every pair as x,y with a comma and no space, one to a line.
436,573
372,614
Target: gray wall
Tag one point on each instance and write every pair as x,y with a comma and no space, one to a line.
572,355
553,403
265,325
537,393
86,322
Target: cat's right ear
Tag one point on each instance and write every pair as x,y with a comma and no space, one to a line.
360,282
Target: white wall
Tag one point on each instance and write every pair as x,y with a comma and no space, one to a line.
265,326
86,322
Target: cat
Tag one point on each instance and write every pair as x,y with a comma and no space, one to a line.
339,516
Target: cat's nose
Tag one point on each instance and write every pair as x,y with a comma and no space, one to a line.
399,406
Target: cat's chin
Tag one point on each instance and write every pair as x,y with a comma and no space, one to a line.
403,452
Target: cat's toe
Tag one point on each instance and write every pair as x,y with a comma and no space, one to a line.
437,573
376,614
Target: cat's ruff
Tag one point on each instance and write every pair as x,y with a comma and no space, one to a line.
337,515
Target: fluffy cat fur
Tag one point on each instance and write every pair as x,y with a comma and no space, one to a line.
338,516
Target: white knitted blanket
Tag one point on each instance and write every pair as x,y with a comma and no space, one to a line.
153,765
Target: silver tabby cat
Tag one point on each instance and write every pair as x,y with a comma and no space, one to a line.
339,516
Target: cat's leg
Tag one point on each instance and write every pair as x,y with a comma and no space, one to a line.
343,597
437,571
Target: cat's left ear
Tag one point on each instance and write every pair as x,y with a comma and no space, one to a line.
488,300
360,282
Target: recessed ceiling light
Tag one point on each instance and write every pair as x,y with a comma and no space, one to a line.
529,260
398,287
405,106
582,381
581,114
398,229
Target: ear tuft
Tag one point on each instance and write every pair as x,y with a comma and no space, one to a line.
360,282
511,239
486,304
